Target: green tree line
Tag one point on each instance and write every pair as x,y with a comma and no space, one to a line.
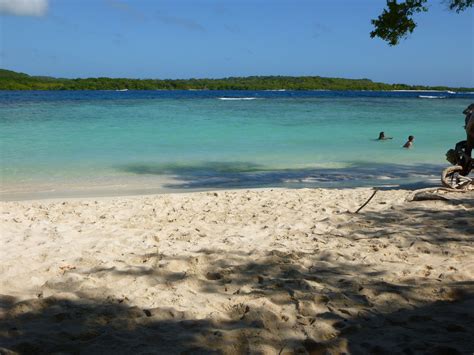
10,80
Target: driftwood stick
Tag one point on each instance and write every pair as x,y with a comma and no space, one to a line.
366,202
412,196
283,347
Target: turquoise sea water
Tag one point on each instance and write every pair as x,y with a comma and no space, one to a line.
135,141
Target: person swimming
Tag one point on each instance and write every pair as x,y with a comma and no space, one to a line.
382,136
409,143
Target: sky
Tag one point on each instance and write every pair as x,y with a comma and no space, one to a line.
221,38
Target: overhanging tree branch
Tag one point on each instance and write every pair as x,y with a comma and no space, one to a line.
396,20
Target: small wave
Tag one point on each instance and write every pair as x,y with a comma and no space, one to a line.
451,92
236,98
431,97
383,177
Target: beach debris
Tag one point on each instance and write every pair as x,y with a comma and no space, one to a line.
147,312
366,202
426,196
430,193
66,268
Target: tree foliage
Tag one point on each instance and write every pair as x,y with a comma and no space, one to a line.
10,80
396,21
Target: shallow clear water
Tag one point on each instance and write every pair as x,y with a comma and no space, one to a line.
200,140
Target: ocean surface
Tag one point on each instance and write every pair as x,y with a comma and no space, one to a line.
69,143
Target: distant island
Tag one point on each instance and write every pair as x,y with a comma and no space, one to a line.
11,80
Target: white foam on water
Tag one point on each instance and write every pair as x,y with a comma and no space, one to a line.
310,179
408,90
236,98
431,97
383,177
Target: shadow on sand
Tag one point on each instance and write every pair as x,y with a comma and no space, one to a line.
335,317
274,304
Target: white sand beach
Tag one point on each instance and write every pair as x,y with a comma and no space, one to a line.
271,271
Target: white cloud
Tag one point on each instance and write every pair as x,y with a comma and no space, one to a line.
24,7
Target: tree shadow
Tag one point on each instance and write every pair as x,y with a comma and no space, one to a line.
440,223
275,305
53,325
208,175
324,300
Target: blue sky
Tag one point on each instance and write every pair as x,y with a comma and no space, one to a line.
220,38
